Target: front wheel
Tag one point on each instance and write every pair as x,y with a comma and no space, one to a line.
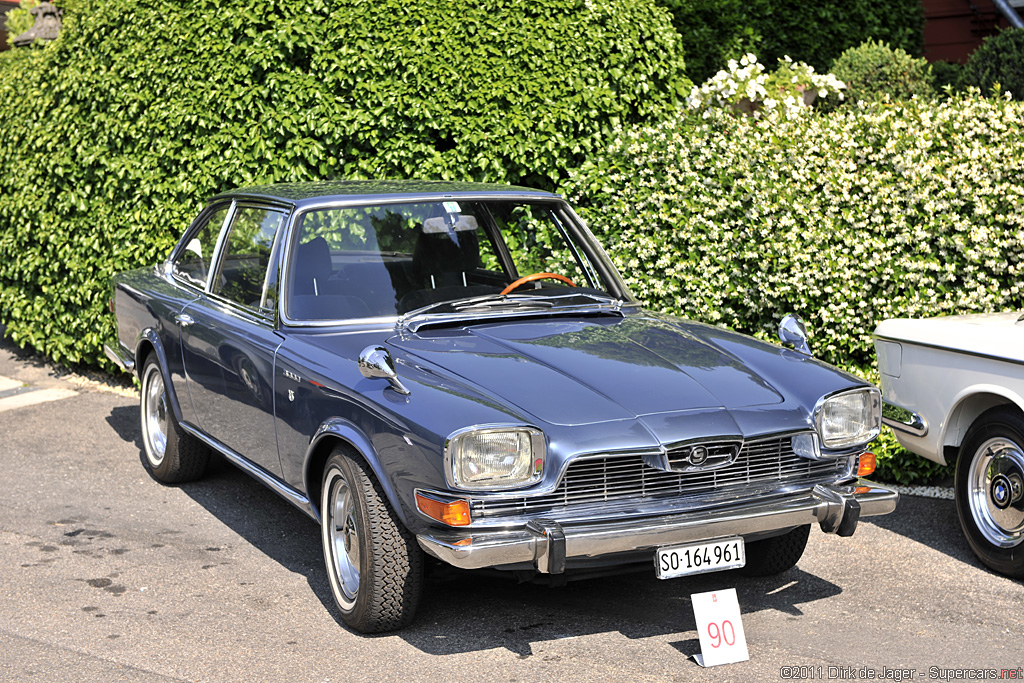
777,554
374,563
990,490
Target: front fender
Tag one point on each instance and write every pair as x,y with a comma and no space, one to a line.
349,433
971,402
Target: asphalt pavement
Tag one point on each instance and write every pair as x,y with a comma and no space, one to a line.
107,575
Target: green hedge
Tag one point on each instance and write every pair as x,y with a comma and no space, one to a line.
997,63
873,71
845,218
714,31
114,134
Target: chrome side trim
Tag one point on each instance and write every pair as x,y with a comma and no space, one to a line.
254,471
530,545
122,360
901,419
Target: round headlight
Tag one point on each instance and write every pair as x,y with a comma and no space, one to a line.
849,418
491,458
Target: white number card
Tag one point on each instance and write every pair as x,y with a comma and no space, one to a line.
719,627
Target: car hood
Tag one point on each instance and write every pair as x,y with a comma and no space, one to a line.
584,371
987,334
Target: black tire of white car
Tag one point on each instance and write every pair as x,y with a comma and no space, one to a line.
374,564
777,554
990,489
169,453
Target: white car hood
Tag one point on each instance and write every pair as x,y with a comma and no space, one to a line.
987,334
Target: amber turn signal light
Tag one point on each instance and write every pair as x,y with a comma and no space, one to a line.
455,513
866,465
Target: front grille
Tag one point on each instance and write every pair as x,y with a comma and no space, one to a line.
716,453
768,462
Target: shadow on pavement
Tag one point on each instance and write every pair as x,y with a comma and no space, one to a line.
930,521
124,420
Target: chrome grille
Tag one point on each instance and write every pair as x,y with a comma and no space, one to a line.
761,463
717,453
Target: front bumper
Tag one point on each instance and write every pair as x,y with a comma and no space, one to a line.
547,545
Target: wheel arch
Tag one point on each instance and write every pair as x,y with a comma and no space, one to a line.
968,406
334,432
148,344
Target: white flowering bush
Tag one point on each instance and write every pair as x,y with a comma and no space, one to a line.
746,87
845,218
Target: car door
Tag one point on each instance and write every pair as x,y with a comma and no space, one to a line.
229,338
190,270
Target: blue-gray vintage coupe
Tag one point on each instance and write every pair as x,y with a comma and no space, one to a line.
455,373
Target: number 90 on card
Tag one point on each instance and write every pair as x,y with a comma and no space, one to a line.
699,558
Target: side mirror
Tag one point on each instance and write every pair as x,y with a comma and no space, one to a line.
376,363
793,333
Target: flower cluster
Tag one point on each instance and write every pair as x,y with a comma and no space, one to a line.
847,218
749,89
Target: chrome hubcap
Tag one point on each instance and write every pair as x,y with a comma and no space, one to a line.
155,417
344,538
997,492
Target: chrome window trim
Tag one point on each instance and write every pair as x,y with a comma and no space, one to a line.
301,210
263,317
180,246
224,240
260,315
274,251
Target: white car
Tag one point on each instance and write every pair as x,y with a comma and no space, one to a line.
953,390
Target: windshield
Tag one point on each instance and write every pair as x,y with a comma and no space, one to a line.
390,259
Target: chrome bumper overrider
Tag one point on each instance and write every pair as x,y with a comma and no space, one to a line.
547,545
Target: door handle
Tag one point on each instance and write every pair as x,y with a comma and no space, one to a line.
184,319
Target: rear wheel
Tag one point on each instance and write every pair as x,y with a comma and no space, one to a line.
990,490
374,563
777,554
170,454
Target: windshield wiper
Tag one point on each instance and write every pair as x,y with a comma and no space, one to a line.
502,301
423,310
488,302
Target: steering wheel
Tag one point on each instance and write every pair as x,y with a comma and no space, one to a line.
537,276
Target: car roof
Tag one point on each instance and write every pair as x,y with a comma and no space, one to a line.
323,192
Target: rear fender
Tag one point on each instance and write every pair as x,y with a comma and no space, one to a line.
149,342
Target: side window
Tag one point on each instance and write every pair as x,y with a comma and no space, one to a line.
243,269
193,263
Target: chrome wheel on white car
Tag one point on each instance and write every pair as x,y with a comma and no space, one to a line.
996,485
990,490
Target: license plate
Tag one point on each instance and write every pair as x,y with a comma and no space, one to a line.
699,558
